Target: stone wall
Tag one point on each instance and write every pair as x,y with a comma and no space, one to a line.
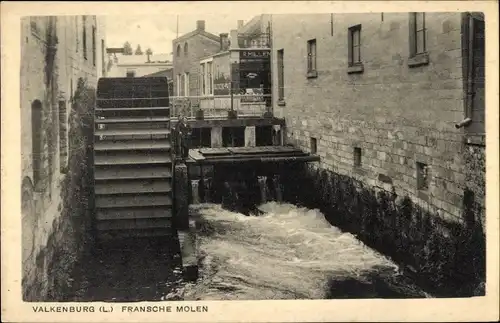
54,208
387,128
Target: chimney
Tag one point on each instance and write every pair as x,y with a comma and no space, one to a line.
240,24
224,42
200,25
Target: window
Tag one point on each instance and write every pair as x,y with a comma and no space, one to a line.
314,145
63,136
186,84
357,156
354,62
185,49
130,73
474,61
178,50
281,76
354,45
422,176
210,78
84,36
103,57
178,82
202,79
311,58
418,40
36,138
94,56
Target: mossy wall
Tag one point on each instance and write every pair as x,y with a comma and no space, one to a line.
70,233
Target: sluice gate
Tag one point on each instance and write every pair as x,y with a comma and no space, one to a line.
132,158
241,178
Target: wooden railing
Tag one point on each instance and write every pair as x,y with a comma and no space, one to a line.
219,105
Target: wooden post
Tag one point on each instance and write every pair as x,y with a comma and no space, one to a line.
181,200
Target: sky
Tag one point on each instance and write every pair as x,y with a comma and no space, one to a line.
158,31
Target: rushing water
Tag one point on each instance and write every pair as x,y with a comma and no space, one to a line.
287,253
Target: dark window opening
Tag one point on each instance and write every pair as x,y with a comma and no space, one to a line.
233,136
186,49
130,73
281,75
354,45
314,146
201,138
357,156
264,136
422,176
178,50
36,137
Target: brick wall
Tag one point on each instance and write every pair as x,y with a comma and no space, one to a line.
199,46
398,115
47,227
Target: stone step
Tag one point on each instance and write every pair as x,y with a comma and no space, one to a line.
124,201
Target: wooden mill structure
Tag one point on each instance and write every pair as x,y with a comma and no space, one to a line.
132,158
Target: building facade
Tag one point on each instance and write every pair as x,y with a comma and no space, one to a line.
62,57
235,76
139,65
188,49
392,102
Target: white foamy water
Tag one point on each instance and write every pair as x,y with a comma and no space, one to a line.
287,253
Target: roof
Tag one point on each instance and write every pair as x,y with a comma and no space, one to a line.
197,32
166,73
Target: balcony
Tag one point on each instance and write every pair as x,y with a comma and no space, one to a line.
218,106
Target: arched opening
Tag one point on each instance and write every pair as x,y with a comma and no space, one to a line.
36,139
185,49
178,50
